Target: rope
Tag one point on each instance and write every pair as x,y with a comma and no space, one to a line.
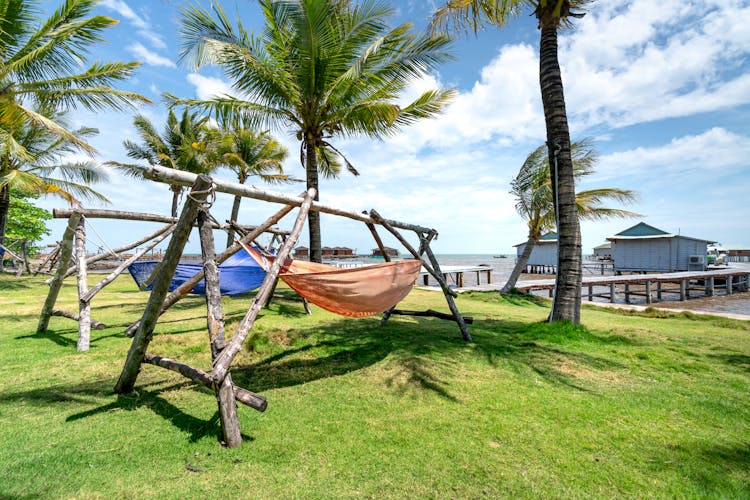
101,240
210,198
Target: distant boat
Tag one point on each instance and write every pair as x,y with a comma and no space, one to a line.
499,256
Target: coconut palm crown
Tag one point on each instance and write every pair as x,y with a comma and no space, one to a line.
323,69
532,188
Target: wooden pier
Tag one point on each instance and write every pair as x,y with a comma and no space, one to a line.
652,287
455,275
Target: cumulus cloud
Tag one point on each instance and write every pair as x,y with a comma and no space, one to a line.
150,57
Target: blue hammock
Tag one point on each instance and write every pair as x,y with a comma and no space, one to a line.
238,274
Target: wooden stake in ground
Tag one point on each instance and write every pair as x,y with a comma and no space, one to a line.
65,252
145,331
224,390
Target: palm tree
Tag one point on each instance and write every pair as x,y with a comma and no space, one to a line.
250,154
40,72
30,163
551,14
532,188
323,68
183,146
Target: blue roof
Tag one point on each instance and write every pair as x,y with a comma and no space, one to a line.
642,230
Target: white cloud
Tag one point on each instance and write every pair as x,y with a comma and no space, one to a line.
207,87
149,57
708,154
124,10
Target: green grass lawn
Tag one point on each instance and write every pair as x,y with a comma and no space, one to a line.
649,405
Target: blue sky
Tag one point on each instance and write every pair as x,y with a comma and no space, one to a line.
662,87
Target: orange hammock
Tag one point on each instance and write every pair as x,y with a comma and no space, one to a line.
355,292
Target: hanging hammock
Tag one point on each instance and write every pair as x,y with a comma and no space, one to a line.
238,274
355,292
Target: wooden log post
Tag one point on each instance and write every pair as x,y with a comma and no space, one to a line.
658,291
184,289
432,267
683,290
648,292
591,293
612,290
84,306
65,252
224,389
627,293
224,359
730,285
710,286
145,330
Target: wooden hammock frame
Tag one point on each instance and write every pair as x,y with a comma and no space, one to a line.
73,245
196,211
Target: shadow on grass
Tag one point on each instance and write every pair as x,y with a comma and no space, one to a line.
741,361
67,337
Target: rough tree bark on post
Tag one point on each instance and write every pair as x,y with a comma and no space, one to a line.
145,330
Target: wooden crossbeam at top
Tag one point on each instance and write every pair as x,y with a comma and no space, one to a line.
178,177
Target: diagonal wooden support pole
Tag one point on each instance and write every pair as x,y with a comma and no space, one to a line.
224,390
221,365
102,256
65,252
188,285
114,274
145,331
432,267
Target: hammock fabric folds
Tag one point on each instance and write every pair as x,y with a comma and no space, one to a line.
238,274
354,292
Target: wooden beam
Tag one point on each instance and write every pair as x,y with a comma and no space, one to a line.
65,314
179,177
222,362
145,330
66,251
249,398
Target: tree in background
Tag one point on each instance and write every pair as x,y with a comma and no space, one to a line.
41,72
250,154
323,68
26,221
532,189
551,15
182,146
34,166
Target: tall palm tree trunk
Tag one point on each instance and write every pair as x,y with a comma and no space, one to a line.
520,265
233,218
176,191
4,208
567,302
313,218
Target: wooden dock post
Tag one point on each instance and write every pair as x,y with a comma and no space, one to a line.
710,286
591,293
612,289
627,293
648,292
684,293
658,291
145,330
